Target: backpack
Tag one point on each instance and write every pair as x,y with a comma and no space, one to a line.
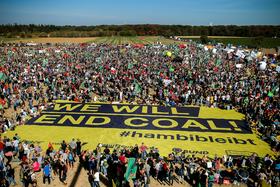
70,157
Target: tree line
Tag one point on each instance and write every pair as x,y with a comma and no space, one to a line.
32,30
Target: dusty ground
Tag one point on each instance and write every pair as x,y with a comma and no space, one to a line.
77,177
71,182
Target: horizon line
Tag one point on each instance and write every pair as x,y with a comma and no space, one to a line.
134,24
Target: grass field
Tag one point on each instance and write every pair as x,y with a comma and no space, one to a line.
118,40
113,40
48,40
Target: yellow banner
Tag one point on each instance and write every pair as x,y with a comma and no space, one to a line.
192,130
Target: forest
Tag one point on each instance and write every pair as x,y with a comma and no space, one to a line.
32,30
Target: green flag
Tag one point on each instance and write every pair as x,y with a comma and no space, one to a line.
98,60
45,62
274,89
246,101
130,66
87,54
218,62
190,82
138,88
270,94
165,91
100,68
3,76
10,53
131,169
82,85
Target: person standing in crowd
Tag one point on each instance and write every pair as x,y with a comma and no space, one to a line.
10,173
63,146
79,147
47,172
71,159
211,179
90,179
96,178
63,172
144,75
73,147
143,150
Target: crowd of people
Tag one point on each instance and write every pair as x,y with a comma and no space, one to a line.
33,161
182,168
227,77
112,165
219,76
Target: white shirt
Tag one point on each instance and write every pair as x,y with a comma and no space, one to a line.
96,176
73,144
7,144
15,143
158,166
64,156
121,95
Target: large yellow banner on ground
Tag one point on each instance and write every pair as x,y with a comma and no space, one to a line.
193,130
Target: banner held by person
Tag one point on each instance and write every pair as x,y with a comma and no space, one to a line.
131,169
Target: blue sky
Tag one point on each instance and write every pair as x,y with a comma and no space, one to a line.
96,12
